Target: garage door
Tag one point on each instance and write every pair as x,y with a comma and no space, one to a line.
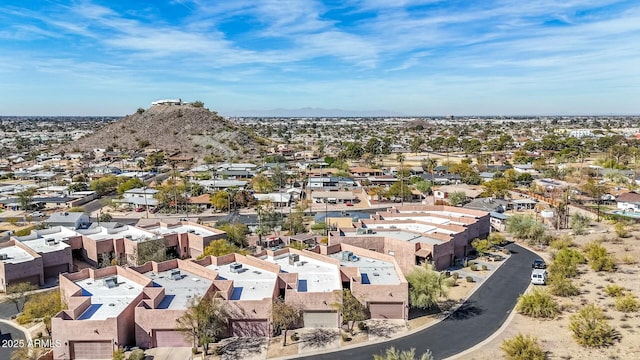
250,328
171,338
91,350
315,319
386,310
55,270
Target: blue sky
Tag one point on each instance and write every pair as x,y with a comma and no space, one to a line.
414,57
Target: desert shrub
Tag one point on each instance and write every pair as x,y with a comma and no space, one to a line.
614,290
598,258
566,263
137,354
455,276
469,279
579,223
590,327
522,347
484,267
628,259
362,326
561,243
562,286
537,303
621,229
626,303
474,267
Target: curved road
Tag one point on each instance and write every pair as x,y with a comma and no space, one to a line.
479,317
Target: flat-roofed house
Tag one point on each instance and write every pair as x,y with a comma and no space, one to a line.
53,245
415,234
374,278
100,312
177,284
19,263
249,286
309,280
183,238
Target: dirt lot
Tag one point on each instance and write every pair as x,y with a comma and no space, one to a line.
554,335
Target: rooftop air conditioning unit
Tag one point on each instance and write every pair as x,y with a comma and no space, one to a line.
370,231
346,255
235,267
50,241
128,237
110,282
4,256
293,258
175,274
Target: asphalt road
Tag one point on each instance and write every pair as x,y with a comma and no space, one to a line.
479,317
7,332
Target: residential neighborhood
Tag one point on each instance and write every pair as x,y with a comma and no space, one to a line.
331,212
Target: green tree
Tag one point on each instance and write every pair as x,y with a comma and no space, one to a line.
197,104
204,321
424,186
220,200
522,347
457,198
481,245
393,354
104,184
285,316
17,293
25,198
565,264
579,223
426,286
236,233
351,309
105,217
221,247
525,227
131,183
150,250
262,184
590,327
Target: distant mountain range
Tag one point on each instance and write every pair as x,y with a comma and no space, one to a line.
312,112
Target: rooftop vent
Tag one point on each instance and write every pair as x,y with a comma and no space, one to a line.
175,274
4,256
110,282
51,242
128,237
347,255
235,267
293,258
191,231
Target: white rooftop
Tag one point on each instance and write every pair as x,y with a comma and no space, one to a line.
179,291
15,255
108,302
180,229
404,235
313,275
48,240
373,271
422,217
249,283
124,231
417,227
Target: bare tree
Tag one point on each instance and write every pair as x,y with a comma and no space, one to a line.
285,317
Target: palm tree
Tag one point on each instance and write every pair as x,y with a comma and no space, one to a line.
400,158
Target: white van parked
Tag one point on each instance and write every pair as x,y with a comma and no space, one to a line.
539,277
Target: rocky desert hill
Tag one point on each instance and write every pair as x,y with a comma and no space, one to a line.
189,129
